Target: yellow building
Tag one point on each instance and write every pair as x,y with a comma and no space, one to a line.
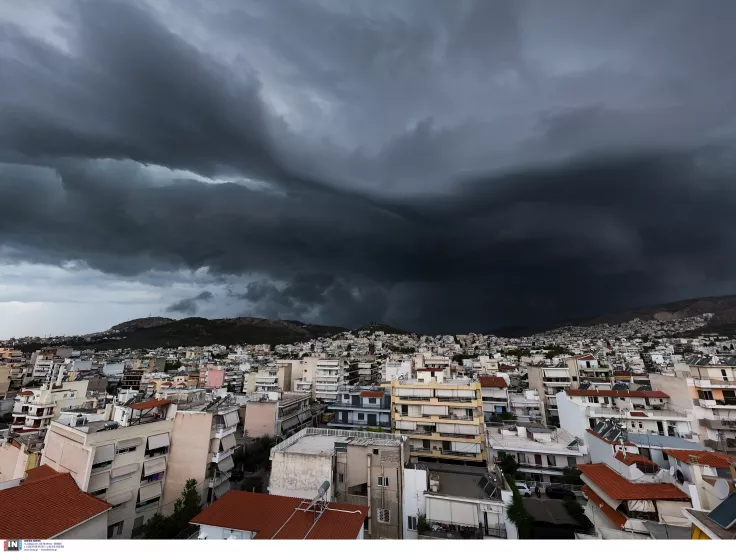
443,418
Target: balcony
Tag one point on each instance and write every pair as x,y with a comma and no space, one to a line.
347,406
147,504
442,531
221,430
156,452
729,444
709,383
218,457
707,403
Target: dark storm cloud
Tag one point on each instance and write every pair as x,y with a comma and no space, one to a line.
190,305
524,189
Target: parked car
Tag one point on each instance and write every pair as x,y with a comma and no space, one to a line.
524,489
557,491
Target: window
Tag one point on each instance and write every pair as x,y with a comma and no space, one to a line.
361,416
571,463
340,478
384,515
412,523
641,425
346,397
664,456
371,401
101,465
592,399
375,452
115,530
705,395
121,505
99,492
126,449
551,460
633,425
382,481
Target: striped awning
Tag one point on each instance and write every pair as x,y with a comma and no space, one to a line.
98,481
158,441
231,418
119,498
226,464
105,453
155,465
124,470
150,491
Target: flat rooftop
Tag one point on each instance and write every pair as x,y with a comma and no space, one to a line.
559,443
322,440
663,441
467,485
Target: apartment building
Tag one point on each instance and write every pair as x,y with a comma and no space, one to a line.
360,407
122,460
275,377
587,368
132,378
329,376
526,406
364,469
548,381
443,418
712,386
367,371
277,414
395,369
495,393
542,453
18,455
34,409
641,411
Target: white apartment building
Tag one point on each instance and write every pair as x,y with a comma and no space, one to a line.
122,461
712,387
542,453
34,409
329,376
495,393
396,369
644,412
526,406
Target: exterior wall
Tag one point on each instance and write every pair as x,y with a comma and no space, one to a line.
260,419
572,416
415,487
215,378
188,456
300,475
220,533
94,528
676,388
13,462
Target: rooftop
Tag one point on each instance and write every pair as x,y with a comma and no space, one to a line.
493,381
461,482
313,440
281,517
615,516
561,441
46,504
704,457
648,440
702,519
630,459
619,488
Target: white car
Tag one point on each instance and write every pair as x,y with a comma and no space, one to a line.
524,489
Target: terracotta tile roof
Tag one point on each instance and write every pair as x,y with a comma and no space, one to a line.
631,459
614,515
493,381
704,457
273,516
25,394
638,414
612,393
44,507
372,393
622,374
619,488
153,403
40,472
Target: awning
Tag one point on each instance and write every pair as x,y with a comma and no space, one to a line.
158,441
127,443
120,498
150,491
404,424
156,465
222,488
105,453
124,470
305,417
228,442
232,418
289,423
98,481
226,464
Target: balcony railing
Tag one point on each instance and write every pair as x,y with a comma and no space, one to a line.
156,452
348,406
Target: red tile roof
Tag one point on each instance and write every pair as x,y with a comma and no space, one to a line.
704,457
46,506
276,517
493,381
616,393
372,393
25,394
41,472
638,414
631,459
619,488
153,403
614,515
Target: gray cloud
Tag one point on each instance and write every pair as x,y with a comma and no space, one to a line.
454,168
189,306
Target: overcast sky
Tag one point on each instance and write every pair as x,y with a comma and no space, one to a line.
443,166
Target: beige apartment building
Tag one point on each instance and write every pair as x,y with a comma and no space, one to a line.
277,414
34,409
443,418
122,460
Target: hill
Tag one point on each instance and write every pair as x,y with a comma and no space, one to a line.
154,332
723,309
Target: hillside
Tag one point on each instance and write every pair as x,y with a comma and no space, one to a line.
151,333
723,309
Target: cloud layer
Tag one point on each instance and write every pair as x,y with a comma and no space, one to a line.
455,168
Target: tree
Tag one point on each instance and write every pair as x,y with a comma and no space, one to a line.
185,508
517,513
509,465
571,476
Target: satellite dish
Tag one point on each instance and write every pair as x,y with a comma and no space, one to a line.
672,470
721,489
